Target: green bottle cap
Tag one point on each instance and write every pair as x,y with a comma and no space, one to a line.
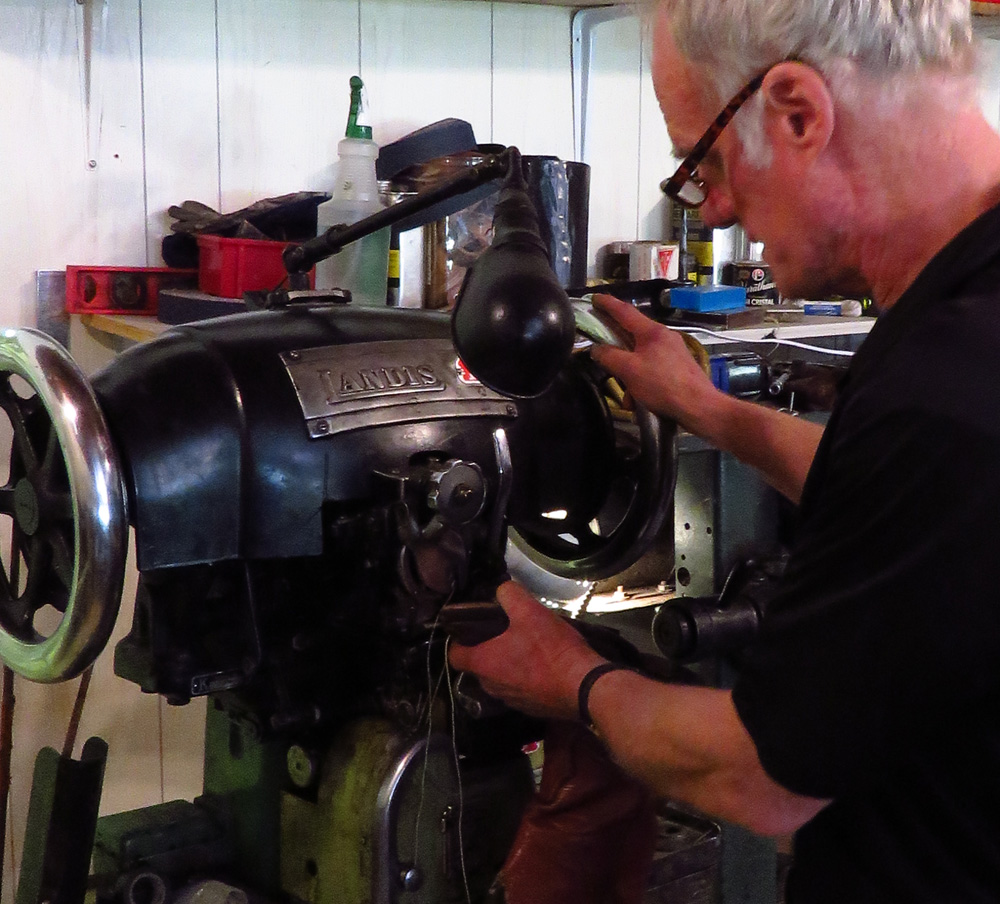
357,120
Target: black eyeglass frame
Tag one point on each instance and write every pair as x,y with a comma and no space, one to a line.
685,174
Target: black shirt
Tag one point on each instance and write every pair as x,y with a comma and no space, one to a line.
876,681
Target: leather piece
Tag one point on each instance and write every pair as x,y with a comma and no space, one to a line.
588,835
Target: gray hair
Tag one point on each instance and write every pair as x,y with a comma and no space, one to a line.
883,41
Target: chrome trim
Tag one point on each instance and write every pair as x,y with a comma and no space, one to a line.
387,864
505,483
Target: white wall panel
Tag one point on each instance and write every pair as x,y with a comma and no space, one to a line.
181,111
41,716
532,85
72,192
154,751
129,721
656,162
284,68
59,208
426,61
613,133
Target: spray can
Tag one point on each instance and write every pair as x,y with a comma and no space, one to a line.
361,267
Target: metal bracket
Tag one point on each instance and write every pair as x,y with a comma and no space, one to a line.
62,822
583,25
92,32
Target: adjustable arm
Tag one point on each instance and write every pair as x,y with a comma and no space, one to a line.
299,258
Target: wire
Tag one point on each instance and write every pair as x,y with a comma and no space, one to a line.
432,692
74,721
773,340
458,776
6,747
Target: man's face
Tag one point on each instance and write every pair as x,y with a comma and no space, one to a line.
785,205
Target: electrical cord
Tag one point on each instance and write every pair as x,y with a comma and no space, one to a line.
772,340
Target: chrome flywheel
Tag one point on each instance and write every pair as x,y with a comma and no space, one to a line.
63,519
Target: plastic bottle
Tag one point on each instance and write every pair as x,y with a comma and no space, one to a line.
362,266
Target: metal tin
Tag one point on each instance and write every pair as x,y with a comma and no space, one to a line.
755,277
613,261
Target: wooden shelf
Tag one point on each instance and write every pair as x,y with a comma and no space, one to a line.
127,326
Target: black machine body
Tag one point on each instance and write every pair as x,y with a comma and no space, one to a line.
318,483
318,495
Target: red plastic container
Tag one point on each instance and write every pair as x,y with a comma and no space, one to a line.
230,267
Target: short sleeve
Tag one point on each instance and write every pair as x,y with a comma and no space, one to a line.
887,624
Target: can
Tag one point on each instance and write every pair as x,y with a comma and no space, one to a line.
652,260
613,261
755,277
688,227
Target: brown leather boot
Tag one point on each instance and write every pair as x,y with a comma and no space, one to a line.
588,835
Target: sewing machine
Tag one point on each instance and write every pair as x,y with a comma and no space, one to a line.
314,490
308,487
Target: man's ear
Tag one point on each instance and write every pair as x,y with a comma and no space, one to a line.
798,102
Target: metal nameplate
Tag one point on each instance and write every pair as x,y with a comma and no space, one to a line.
365,384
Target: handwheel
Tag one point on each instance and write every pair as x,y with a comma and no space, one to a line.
65,501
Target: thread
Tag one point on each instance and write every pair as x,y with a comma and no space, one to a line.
77,714
458,774
432,691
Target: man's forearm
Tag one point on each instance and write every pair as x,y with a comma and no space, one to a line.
779,445
688,744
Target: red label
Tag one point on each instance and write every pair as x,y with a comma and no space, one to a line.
464,374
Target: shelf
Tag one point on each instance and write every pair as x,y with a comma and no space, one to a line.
127,326
811,326
987,25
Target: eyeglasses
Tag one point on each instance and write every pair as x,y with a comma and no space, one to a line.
684,186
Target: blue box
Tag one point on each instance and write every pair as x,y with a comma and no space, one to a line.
708,298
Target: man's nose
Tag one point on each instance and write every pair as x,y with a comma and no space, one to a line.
718,210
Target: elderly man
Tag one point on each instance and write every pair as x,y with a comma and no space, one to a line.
868,716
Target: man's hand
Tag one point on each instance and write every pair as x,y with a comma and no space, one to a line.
661,374
686,743
536,665
659,371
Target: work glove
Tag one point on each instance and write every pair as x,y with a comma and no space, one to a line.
283,218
